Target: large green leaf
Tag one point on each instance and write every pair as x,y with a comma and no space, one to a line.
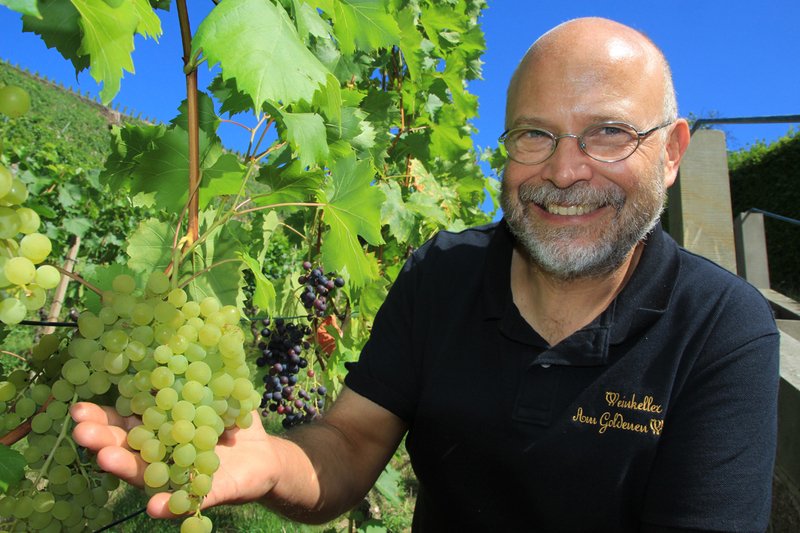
395,214
12,467
255,42
127,146
290,183
219,257
361,24
223,178
149,23
108,41
353,210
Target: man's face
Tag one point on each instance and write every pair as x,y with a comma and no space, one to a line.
577,217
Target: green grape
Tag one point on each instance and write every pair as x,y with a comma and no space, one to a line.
196,524
192,391
209,305
61,510
14,101
158,283
178,364
7,391
200,485
184,454
156,474
115,363
62,390
209,335
32,454
138,435
206,462
43,502
135,349
230,345
195,352
77,484
59,475
123,406
141,401
162,377
143,334
183,410
190,309
29,220
47,346
75,371
182,431
123,304
177,297
178,475
178,343
142,314
24,507
6,177
65,455
9,218
99,383
205,415
35,247
12,311
41,423
164,312
153,450
162,354
108,316
189,331
25,407
205,438
123,283
16,195
165,434
153,417
199,371
166,398
57,410
242,388
33,298
179,502
142,380
90,326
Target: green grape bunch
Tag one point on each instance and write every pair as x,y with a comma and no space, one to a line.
180,366
24,279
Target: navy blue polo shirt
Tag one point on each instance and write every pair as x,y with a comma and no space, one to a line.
662,411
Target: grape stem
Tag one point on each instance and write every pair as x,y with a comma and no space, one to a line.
61,435
79,279
12,354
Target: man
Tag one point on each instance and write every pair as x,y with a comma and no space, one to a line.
569,368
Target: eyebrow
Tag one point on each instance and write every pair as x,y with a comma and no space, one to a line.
538,122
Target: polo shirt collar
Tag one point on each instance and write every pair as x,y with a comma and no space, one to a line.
645,297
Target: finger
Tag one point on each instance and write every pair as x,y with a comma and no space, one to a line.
95,435
86,411
124,464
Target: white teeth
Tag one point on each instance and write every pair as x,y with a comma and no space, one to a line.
568,210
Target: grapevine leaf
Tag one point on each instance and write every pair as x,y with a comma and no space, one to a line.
306,135
264,295
371,298
438,19
108,41
165,169
232,100
287,184
224,178
394,212
411,42
26,7
207,117
361,24
328,99
219,254
127,146
150,246
309,22
149,23
352,211
255,42
448,137
77,225
58,27
12,467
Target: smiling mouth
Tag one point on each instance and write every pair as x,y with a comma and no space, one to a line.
569,210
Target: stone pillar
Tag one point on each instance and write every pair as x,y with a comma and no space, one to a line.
699,203
751,249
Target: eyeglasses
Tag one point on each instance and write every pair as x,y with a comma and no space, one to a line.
607,142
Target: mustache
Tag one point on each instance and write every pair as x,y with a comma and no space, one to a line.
579,193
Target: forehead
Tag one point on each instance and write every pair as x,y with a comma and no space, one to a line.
569,82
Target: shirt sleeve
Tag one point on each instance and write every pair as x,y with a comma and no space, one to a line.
713,468
387,369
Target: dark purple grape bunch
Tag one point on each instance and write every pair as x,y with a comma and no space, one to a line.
282,346
318,288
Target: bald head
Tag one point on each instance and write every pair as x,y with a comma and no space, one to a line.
594,54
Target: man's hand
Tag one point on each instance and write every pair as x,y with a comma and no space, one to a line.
248,463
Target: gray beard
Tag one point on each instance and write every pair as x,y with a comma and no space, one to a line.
553,249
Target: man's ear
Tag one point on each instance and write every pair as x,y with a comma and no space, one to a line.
677,143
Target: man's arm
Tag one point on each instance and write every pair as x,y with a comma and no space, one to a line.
317,473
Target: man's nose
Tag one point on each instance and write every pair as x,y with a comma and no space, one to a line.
568,164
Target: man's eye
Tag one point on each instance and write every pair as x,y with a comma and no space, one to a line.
609,130
533,134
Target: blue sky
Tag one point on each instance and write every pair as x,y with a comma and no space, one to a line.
729,58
